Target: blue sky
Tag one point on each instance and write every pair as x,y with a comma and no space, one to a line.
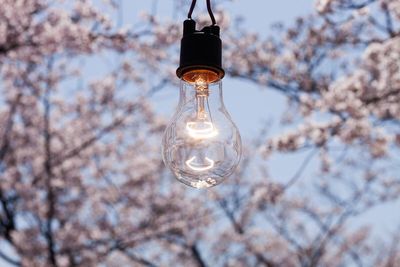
255,105
248,110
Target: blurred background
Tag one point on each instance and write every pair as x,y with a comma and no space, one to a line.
88,87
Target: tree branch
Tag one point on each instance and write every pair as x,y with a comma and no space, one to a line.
51,198
9,260
197,256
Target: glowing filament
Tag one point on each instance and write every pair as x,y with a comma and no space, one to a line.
198,167
201,130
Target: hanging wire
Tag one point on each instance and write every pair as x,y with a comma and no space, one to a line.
191,9
192,6
210,12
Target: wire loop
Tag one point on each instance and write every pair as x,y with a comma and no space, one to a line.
210,13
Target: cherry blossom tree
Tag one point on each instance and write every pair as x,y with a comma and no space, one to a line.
81,177
340,71
81,181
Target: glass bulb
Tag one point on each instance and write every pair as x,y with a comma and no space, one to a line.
201,145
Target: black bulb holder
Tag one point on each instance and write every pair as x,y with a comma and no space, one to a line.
200,50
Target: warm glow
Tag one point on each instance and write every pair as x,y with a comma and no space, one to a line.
206,76
201,130
198,167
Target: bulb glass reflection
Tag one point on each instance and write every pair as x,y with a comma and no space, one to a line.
201,145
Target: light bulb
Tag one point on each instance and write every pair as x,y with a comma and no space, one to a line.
201,145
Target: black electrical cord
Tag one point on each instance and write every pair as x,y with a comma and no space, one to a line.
191,9
211,13
192,6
